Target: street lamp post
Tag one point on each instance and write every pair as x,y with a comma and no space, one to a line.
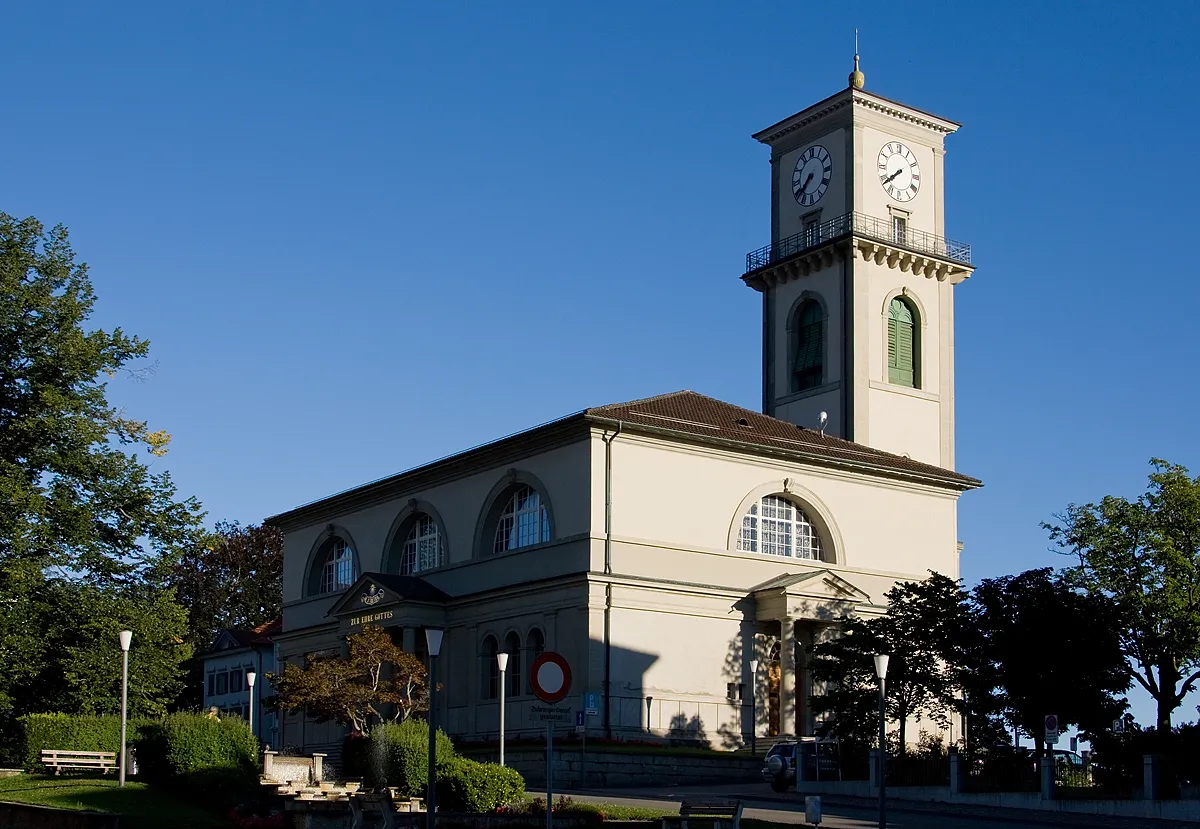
502,662
753,713
881,666
433,642
250,677
125,636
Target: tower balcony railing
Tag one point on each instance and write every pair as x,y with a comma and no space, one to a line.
859,224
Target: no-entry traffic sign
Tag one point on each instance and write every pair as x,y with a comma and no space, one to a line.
550,677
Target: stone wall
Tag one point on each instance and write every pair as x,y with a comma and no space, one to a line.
608,768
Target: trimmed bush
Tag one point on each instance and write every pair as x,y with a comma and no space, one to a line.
74,732
467,786
184,745
400,755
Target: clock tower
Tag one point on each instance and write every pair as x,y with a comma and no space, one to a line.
858,281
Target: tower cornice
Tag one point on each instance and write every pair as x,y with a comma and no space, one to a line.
857,98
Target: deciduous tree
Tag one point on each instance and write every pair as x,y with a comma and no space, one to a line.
355,690
231,578
1144,556
921,633
1051,650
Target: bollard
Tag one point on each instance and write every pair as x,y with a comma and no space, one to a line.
812,810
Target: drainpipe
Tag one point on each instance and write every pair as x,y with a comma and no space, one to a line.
608,442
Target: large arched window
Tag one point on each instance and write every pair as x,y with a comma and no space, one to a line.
903,345
523,522
491,669
424,548
337,567
808,365
774,526
512,646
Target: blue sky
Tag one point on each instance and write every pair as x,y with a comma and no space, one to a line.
362,237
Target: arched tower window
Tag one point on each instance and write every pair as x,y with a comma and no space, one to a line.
512,646
903,345
808,367
337,567
424,549
774,526
523,522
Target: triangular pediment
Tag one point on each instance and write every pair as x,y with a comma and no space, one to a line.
225,640
376,590
818,584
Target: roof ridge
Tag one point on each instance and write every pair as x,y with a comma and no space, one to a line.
664,396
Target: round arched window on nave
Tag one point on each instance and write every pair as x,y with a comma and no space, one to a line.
775,526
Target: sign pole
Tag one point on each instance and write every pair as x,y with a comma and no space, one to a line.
583,764
549,775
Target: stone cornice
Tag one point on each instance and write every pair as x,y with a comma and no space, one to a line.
868,250
877,103
858,97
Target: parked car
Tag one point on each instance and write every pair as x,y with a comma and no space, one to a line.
1062,757
779,766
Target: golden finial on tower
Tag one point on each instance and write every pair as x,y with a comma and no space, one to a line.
857,78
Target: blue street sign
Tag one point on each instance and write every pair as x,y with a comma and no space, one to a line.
591,703
578,718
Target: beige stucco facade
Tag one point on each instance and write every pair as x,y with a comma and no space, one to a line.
641,573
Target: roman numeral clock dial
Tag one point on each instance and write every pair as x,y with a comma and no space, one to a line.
899,172
810,180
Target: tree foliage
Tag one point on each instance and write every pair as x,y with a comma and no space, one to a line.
920,633
377,682
64,656
88,531
1050,649
230,579
1144,557
70,495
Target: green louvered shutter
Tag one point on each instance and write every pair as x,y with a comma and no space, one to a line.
901,344
810,347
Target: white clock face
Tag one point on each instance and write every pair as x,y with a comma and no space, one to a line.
899,172
814,168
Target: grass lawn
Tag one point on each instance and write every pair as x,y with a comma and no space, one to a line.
140,806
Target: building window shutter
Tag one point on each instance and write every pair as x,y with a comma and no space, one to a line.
902,346
810,346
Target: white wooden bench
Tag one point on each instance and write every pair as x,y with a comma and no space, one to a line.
104,761
707,811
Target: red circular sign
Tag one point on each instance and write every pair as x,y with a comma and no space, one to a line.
550,677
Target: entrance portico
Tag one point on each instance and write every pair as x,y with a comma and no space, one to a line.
804,606
403,605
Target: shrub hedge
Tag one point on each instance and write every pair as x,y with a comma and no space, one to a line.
185,744
207,756
69,732
399,756
468,786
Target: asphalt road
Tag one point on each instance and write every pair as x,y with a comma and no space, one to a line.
759,803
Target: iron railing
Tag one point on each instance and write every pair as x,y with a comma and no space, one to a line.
859,224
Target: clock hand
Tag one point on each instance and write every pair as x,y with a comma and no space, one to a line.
804,186
888,180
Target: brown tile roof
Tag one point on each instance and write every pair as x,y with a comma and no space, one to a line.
261,635
708,420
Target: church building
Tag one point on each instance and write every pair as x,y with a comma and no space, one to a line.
680,552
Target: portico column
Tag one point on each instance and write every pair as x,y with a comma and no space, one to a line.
409,640
787,676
